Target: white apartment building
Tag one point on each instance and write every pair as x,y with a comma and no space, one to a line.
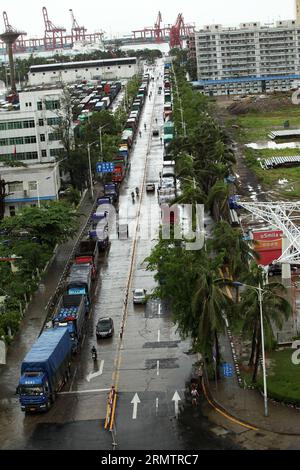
29,134
252,58
30,186
71,72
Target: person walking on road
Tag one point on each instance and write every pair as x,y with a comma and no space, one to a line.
156,120
140,133
161,141
195,395
145,126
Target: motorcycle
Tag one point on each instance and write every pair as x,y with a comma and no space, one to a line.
94,355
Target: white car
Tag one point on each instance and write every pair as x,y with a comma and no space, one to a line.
150,187
139,296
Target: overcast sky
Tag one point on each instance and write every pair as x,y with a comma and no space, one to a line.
122,16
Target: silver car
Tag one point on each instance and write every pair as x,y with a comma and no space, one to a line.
139,296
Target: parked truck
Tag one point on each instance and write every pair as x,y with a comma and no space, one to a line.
87,252
71,312
112,189
120,168
45,369
79,281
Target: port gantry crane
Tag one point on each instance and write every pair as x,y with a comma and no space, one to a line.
77,32
53,34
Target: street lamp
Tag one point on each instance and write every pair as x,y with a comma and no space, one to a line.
260,293
90,166
100,132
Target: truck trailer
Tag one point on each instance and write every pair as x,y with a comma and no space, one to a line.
45,369
71,312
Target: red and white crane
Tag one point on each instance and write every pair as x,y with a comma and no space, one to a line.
53,34
78,32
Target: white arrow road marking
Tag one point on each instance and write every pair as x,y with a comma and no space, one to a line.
176,398
135,401
156,405
157,367
158,336
159,309
93,375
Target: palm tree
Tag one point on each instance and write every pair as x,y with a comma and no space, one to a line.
237,251
217,200
208,304
276,309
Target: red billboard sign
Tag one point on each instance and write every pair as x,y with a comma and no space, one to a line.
268,245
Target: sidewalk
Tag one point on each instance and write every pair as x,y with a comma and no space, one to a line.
35,315
248,405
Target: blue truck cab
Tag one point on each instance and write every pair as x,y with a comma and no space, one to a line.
45,369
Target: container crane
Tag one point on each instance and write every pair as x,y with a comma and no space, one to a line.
157,29
53,34
77,32
175,32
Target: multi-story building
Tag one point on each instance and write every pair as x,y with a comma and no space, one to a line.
29,135
191,45
253,58
71,72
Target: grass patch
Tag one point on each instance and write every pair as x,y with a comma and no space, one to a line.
257,126
283,379
271,177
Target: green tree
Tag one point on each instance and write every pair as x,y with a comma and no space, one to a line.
53,223
276,309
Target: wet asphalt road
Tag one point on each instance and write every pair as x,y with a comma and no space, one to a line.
150,360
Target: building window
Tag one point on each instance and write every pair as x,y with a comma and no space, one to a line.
42,137
30,139
55,136
44,153
39,106
55,121
13,187
57,152
32,185
41,122
12,211
50,105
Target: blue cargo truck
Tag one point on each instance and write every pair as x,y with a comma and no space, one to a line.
45,369
71,312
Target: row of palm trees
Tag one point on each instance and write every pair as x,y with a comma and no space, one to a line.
194,281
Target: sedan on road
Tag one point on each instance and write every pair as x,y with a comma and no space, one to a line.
104,328
150,187
139,296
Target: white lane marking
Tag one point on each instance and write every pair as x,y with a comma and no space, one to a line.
176,398
83,339
75,392
135,401
159,309
156,405
157,367
158,336
93,375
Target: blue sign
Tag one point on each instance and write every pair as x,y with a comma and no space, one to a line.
227,369
105,167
